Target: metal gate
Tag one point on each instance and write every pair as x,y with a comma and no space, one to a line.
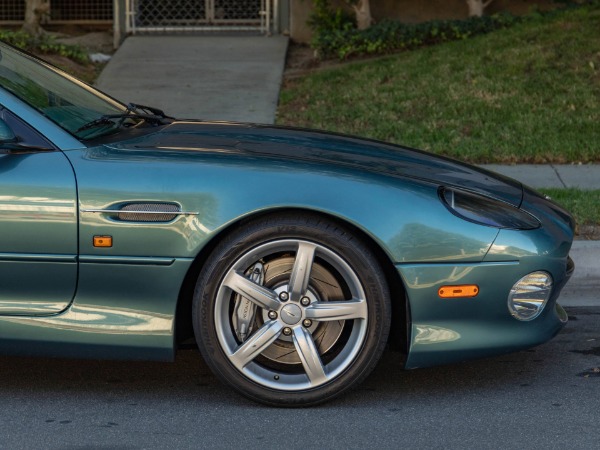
90,12
151,16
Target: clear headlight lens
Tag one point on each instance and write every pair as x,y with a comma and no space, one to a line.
487,211
529,295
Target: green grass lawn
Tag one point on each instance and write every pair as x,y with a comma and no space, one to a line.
530,93
584,205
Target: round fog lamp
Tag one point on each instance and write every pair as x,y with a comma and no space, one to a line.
529,295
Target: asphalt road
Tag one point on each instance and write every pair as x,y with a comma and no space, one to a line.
547,397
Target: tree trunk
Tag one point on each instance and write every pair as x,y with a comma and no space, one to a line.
362,9
34,12
476,7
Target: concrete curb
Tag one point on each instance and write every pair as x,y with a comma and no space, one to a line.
584,287
581,176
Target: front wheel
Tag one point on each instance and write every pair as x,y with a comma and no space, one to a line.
291,311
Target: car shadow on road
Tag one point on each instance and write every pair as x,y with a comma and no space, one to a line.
189,377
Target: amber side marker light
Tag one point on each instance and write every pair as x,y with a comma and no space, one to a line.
464,290
102,241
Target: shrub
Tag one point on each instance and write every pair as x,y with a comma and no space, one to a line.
335,33
43,44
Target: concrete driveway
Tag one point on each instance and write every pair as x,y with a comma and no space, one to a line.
200,77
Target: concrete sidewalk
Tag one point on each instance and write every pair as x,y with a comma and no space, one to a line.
582,176
200,77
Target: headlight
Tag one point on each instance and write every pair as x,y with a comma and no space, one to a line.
529,295
487,211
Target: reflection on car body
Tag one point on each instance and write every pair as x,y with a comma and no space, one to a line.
292,257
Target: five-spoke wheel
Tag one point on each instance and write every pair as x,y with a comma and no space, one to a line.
291,312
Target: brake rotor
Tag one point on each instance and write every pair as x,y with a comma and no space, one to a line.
323,287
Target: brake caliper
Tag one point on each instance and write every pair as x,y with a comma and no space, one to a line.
245,310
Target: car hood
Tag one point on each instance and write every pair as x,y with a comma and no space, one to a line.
326,148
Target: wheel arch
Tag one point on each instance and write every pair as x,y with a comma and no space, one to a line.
399,334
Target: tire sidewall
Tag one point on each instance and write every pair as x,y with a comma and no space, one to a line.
331,236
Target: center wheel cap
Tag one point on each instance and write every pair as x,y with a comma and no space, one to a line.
291,314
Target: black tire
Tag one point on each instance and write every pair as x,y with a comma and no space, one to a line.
286,371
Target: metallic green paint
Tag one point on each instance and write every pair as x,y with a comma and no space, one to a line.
121,301
38,267
121,311
217,187
449,330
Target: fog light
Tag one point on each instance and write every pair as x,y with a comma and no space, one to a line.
529,295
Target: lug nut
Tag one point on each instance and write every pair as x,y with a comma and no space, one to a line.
287,331
284,296
307,323
272,315
305,301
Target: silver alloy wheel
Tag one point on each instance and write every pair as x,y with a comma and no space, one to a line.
255,357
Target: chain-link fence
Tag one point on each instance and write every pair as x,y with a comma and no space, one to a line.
12,12
198,15
81,11
171,13
150,16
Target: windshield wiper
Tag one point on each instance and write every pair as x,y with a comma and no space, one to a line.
149,114
147,109
100,121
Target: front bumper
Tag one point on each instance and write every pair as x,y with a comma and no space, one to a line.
450,330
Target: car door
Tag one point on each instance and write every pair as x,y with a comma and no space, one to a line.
38,224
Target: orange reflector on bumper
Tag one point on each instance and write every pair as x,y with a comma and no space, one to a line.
102,241
464,290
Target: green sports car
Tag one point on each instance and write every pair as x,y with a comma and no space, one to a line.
292,257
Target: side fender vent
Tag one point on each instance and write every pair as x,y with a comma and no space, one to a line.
148,212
